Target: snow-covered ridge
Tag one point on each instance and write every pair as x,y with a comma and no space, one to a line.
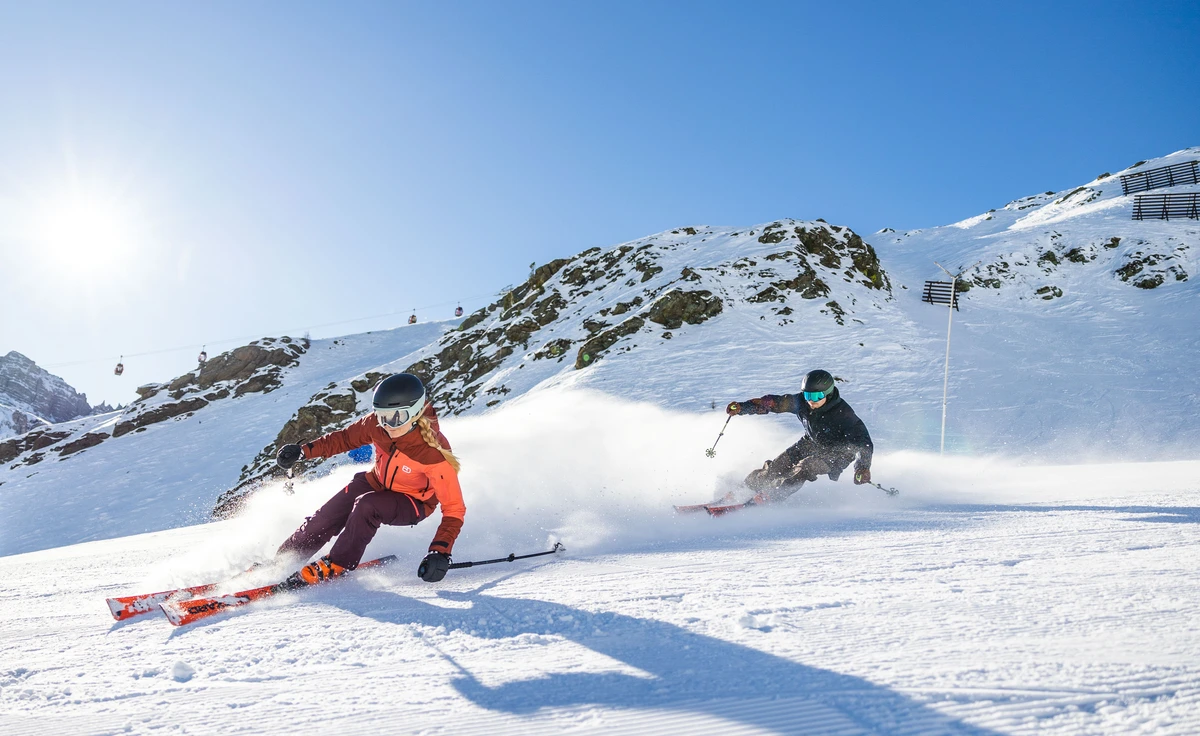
1037,243
248,369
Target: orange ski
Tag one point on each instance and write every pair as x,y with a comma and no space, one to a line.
184,612
126,607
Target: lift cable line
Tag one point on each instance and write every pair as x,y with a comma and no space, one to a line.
951,300
258,335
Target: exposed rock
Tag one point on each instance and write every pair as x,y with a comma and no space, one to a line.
158,414
807,284
596,346
822,244
676,307
23,422
180,382
91,439
29,442
241,363
773,233
368,382
623,307
520,331
475,318
262,382
25,386
553,349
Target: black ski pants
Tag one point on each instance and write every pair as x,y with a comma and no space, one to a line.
779,478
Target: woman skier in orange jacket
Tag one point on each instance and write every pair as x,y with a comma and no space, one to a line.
414,472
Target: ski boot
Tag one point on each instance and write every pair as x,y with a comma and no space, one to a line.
315,572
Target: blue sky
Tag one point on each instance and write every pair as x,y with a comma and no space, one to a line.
234,170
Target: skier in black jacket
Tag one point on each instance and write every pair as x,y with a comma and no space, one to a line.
833,438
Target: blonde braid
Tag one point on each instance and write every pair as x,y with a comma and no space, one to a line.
431,439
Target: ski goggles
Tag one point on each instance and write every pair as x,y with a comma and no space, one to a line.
398,416
814,396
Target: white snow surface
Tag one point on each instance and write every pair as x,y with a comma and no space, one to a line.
986,598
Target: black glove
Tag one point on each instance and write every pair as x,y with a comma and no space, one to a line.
433,568
287,456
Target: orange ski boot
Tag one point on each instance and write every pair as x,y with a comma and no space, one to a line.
318,571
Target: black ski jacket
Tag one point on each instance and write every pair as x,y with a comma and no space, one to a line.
837,431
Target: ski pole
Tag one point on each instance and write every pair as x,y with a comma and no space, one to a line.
712,451
459,565
287,486
889,491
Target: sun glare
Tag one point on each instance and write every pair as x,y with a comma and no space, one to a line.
86,233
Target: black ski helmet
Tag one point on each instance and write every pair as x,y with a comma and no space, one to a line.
817,380
399,398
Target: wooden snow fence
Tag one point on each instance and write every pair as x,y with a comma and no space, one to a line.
1175,206
1165,176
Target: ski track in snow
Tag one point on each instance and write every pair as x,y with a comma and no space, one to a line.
1053,600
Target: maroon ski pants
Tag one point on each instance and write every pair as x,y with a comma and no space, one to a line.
354,515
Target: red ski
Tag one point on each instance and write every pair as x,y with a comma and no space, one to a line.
183,612
713,509
129,606
126,607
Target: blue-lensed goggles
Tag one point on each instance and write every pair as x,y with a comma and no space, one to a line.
814,396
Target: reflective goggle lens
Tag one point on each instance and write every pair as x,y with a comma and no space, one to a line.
814,396
391,417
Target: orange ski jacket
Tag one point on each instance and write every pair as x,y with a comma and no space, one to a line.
405,465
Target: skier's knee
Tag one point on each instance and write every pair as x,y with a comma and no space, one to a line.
366,509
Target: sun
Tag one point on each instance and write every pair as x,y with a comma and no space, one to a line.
86,232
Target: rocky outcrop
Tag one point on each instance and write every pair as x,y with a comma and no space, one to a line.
675,307
29,442
1140,263
31,389
158,414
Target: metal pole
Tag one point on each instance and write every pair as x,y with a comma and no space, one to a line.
949,323
946,378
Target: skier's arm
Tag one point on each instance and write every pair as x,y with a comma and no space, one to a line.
443,480
770,404
858,440
341,440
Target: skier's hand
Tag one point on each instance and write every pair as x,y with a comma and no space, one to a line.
433,568
733,408
861,476
287,456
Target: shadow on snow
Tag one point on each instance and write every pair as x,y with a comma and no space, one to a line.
690,672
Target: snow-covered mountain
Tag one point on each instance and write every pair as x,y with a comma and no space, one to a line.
31,396
1074,342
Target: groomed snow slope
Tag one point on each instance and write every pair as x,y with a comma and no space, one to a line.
985,598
